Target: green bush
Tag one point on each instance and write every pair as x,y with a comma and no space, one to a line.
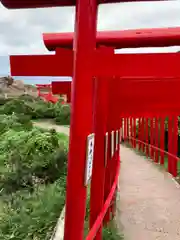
15,121
30,157
36,108
33,215
32,179
63,115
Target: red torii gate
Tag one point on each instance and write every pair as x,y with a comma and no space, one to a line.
46,96
156,37
152,37
143,85
84,58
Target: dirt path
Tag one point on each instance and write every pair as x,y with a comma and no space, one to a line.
47,124
149,204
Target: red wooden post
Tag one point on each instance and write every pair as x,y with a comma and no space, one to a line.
175,146
152,137
170,139
125,129
108,174
162,132
84,44
128,130
157,139
131,131
143,134
135,133
98,174
139,133
115,157
147,137
122,130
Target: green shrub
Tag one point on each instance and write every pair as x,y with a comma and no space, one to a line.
17,122
30,157
32,179
63,115
34,215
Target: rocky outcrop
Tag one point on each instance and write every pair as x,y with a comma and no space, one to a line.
14,88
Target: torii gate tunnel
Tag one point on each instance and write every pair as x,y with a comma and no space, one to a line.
46,96
113,87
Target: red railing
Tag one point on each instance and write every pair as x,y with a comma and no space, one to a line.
152,137
93,231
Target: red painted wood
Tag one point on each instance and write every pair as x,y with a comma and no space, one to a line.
62,87
15,4
131,129
156,140
175,146
139,132
98,174
81,118
135,133
143,133
151,137
170,139
104,65
151,37
147,136
125,129
108,175
162,134
42,65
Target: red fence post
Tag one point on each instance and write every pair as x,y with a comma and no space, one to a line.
143,135
152,137
147,137
139,133
115,158
135,133
128,130
121,129
170,139
156,139
175,146
98,173
84,44
107,186
125,129
162,133
131,132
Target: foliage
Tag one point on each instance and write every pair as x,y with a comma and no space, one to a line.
16,122
109,232
32,215
37,108
63,115
32,178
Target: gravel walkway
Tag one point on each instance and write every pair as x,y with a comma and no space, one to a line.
149,204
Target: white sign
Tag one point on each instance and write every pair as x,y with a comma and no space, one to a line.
106,149
89,158
112,143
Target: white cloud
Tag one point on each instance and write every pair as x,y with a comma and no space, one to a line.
21,30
